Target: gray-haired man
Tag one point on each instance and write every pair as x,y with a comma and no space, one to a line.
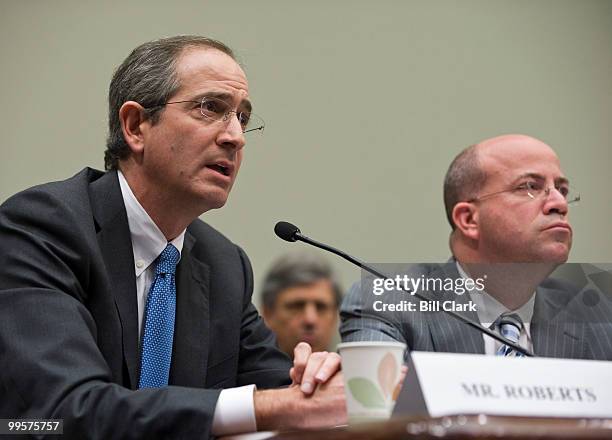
120,311
301,296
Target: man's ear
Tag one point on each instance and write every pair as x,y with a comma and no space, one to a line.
133,122
465,217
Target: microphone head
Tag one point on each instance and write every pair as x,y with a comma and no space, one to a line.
286,231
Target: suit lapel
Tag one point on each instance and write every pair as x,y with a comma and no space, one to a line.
554,332
191,331
449,334
116,246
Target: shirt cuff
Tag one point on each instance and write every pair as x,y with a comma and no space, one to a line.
235,411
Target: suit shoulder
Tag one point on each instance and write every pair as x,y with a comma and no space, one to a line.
71,192
560,285
51,210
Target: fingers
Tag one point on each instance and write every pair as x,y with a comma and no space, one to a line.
301,354
311,368
315,361
321,367
403,372
400,383
328,368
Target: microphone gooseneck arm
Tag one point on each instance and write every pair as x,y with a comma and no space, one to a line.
291,233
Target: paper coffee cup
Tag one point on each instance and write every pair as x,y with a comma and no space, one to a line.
371,372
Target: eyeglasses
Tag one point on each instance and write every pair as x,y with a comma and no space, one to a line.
535,190
215,110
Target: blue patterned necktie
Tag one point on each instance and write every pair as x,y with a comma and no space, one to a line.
510,326
159,322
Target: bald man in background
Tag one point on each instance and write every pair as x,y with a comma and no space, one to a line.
507,202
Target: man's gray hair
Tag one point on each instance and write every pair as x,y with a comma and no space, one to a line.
298,269
147,76
463,181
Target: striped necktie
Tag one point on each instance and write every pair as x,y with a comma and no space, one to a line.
510,326
159,322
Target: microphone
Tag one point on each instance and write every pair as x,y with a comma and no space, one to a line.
290,232
286,231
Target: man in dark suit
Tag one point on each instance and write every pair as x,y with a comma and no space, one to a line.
507,202
120,311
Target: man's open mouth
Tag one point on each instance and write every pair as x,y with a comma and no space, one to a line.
220,169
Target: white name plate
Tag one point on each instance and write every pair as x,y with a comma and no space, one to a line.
439,384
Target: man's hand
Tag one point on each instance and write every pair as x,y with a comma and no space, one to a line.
289,408
310,369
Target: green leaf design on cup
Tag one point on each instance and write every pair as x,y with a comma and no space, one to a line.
366,392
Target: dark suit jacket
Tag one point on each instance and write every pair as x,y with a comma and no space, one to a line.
68,318
562,324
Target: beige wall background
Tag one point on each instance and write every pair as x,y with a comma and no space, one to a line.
366,103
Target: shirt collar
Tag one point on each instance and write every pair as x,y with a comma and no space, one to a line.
489,309
147,240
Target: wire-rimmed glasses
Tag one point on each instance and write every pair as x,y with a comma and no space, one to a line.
216,109
535,190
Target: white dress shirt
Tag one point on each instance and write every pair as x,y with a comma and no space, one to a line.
235,411
489,309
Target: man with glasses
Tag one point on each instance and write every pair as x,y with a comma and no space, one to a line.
507,202
301,296
122,313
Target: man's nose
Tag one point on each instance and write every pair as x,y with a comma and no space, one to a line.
232,134
555,202
310,313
